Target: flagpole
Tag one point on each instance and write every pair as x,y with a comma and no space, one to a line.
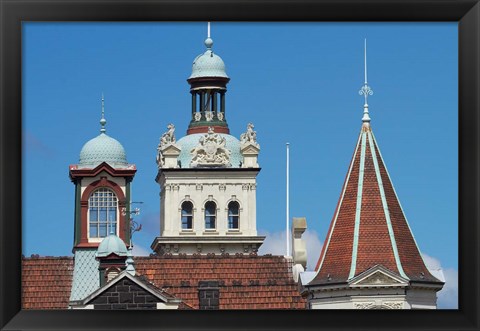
288,201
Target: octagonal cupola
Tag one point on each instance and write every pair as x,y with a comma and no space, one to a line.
208,85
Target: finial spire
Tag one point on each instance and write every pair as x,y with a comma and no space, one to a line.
103,121
129,262
208,41
365,90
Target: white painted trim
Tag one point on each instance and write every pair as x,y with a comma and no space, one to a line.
358,210
339,206
162,305
385,208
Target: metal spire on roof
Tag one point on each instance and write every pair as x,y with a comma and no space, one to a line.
208,41
365,90
103,121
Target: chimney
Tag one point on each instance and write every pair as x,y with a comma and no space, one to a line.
208,295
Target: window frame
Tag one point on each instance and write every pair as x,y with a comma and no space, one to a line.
102,200
191,215
229,215
214,216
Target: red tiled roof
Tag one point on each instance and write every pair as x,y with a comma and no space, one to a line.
245,282
46,282
375,245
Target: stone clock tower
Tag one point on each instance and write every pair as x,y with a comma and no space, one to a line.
208,178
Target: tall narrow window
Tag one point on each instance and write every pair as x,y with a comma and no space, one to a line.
210,215
233,215
102,206
187,215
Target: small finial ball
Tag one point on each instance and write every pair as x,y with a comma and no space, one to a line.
209,42
103,121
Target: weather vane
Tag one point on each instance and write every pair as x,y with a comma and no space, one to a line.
134,226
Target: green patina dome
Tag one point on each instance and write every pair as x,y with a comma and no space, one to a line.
208,64
103,148
111,244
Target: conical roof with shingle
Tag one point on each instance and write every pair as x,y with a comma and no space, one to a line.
369,227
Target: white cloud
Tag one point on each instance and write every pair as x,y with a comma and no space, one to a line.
448,296
140,251
275,244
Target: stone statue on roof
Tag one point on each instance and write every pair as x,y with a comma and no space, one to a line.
250,136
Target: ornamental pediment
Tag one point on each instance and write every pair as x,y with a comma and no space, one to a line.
171,149
378,276
250,148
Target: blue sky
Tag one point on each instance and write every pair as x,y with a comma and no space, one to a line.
297,82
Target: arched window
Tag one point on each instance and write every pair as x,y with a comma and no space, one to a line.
102,207
210,215
233,215
187,215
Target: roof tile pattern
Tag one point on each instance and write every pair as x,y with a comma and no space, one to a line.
46,282
369,227
335,265
245,282
410,257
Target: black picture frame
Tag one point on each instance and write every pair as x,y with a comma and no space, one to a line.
14,12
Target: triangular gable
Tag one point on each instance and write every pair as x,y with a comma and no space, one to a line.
378,276
249,148
171,149
149,288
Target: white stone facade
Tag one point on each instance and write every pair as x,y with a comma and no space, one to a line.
200,186
378,288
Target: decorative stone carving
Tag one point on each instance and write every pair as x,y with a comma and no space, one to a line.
169,136
377,279
220,116
249,148
245,187
211,151
166,141
393,305
197,116
364,305
209,115
250,136
222,187
160,159
253,187
199,187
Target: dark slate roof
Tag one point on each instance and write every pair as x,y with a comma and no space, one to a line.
369,203
245,282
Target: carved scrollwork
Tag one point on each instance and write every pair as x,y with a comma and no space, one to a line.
364,305
393,305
